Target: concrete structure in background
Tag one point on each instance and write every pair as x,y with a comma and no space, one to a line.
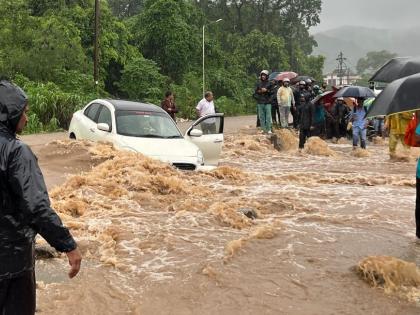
332,79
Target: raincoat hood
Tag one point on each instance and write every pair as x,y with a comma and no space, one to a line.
12,104
25,208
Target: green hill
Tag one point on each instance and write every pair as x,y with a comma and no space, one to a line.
355,42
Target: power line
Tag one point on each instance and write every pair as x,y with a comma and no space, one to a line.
342,67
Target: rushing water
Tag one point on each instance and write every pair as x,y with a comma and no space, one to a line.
160,241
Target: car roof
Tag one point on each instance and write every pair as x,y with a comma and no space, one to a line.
129,105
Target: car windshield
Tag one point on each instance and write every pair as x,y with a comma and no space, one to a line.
146,124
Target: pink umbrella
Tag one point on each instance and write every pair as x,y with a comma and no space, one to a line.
286,75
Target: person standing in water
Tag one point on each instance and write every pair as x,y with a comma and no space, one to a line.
359,124
397,124
286,101
306,121
25,210
263,94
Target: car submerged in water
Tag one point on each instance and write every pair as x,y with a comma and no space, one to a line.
148,129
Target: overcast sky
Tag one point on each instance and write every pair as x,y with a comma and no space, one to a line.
370,13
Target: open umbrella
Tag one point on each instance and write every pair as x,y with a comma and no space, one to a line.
302,78
273,75
397,68
327,98
286,75
324,96
402,95
355,91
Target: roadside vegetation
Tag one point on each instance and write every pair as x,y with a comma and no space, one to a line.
148,47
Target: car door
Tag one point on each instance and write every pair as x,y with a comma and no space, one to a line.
211,140
89,121
104,116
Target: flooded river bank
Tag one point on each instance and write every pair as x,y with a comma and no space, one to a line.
160,241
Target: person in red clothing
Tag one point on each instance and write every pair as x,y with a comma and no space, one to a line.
168,104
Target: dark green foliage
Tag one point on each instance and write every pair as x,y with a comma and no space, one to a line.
141,80
148,47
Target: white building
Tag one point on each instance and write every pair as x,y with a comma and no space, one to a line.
333,79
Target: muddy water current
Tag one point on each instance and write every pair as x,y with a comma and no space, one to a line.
333,233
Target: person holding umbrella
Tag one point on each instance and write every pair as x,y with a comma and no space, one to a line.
359,124
262,94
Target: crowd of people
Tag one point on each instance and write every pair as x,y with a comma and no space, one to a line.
310,115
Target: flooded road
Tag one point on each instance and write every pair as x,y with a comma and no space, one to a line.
160,241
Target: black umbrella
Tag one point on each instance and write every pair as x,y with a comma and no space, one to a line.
355,91
402,95
302,78
397,68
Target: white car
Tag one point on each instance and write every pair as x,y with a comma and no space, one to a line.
148,129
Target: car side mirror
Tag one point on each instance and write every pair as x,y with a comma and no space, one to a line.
196,133
104,127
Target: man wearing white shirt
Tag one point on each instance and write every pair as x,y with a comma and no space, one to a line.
206,107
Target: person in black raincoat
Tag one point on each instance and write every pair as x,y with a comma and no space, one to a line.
275,110
340,112
306,114
25,210
299,91
263,95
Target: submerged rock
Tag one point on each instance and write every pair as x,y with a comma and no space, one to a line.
250,213
284,140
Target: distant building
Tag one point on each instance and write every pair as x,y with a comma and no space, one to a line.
333,79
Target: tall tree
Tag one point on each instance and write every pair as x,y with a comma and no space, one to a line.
125,8
373,60
165,32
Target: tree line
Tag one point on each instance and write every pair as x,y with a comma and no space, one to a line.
150,46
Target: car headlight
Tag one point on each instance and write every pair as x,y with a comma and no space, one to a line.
200,158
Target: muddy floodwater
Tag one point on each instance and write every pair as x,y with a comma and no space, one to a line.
328,231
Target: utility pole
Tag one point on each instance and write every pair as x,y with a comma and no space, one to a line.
341,65
96,46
